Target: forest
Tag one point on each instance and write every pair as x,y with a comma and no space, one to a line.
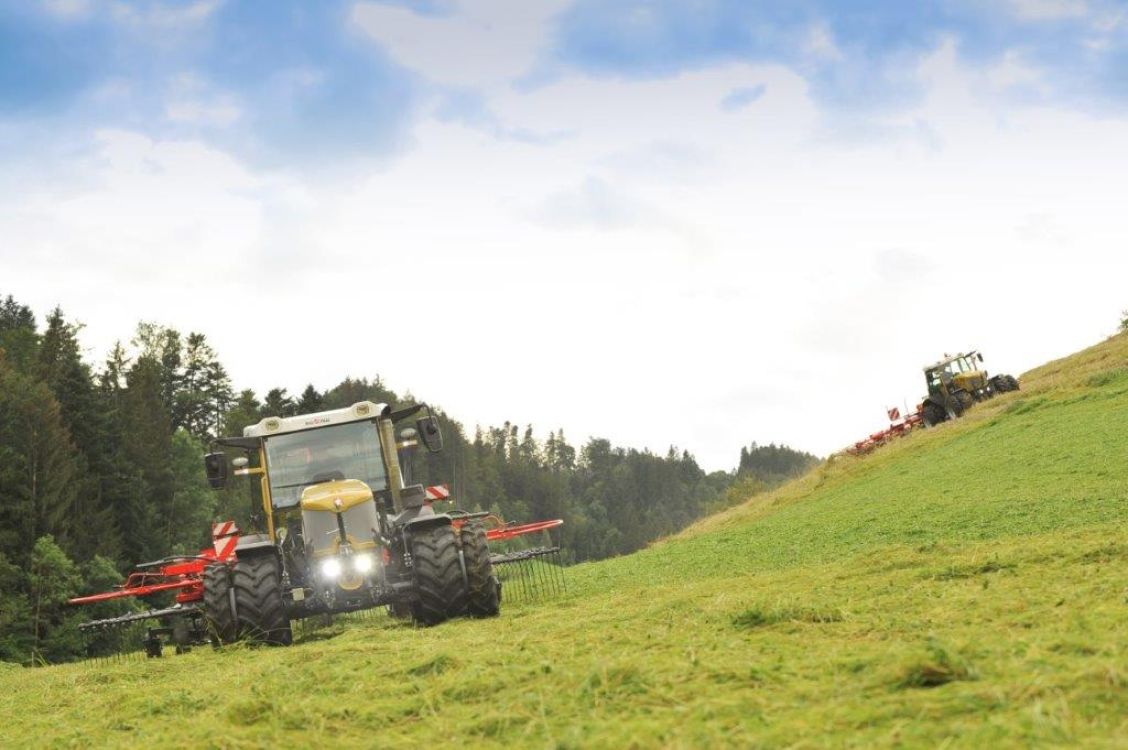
101,468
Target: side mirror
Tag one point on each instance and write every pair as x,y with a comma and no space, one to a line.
430,433
215,465
980,355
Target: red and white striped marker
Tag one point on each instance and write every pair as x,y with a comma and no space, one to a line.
438,492
225,536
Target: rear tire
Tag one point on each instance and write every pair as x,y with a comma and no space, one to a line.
1004,383
218,615
484,595
259,607
933,414
439,586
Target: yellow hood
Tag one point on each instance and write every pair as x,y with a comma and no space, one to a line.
325,496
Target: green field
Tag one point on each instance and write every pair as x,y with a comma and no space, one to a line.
966,586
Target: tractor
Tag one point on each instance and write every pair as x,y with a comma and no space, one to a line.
340,527
955,383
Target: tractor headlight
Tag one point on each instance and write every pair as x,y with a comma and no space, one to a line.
331,568
363,563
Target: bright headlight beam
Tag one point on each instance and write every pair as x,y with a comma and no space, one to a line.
363,563
331,568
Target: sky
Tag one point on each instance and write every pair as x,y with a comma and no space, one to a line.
699,223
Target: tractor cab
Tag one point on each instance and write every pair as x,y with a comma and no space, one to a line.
960,372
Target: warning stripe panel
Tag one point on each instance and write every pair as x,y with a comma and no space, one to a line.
225,547
224,528
438,492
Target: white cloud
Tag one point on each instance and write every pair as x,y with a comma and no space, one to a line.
801,263
820,44
163,16
480,44
67,9
1014,71
1049,10
190,100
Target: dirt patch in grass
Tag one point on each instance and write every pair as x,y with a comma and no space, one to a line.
760,615
1105,554
439,664
940,667
958,572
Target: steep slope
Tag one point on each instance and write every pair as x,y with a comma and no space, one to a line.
966,585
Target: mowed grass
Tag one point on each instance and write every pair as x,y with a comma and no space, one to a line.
965,586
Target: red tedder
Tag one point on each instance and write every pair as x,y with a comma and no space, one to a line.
183,574
898,427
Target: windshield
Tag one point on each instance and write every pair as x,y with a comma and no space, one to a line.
300,459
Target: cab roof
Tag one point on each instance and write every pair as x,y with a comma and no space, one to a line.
358,412
948,359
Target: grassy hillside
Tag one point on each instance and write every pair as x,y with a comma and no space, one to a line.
967,585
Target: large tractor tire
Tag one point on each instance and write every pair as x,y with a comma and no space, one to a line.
933,414
440,588
219,606
484,594
964,401
1004,383
259,608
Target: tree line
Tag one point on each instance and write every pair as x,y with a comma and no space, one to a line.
101,468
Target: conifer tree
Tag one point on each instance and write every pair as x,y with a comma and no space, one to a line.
61,367
310,401
146,446
278,403
38,466
18,338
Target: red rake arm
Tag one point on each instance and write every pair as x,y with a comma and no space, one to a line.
175,573
508,532
128,590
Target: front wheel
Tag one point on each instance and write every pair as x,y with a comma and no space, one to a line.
219,606
440,588
259,608
965,401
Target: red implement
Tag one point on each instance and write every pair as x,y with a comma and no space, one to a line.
185,574
508,532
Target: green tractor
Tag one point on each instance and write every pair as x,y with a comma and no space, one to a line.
955,383
341,528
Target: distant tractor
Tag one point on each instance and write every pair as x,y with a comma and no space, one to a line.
955,383
341,529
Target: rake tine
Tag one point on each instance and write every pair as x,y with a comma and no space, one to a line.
527,578
519,579
542,581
